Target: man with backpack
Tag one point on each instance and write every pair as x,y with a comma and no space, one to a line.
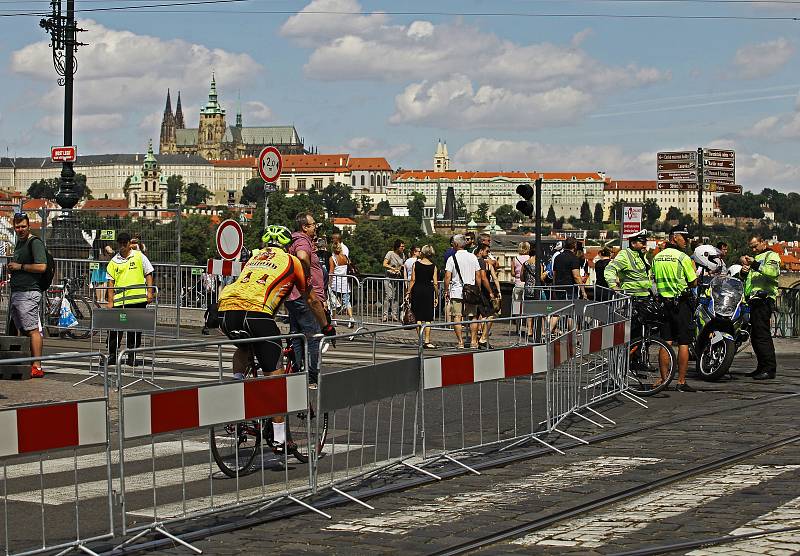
30,276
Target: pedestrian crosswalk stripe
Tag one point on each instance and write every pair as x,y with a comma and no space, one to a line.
599,528
86,461
459,506
788,542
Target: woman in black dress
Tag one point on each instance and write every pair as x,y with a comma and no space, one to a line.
423,290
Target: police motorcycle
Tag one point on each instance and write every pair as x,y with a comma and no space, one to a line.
721,325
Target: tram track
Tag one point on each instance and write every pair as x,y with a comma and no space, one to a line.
622,496
233,523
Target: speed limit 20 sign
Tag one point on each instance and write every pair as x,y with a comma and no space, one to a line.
270,164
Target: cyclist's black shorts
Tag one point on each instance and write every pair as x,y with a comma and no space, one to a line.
257,325
677,325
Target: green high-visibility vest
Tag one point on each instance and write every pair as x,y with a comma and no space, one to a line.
125,275
763,275
628,272
673,271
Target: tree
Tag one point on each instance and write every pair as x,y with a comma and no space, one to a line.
337,200
506,216
366,205
551,215
598,213
461,207
81,189
48,188
746,205
175,187
482,214
586,213
253,192
650,212
673,213
197,241
197,194
615,212
416,206
383,208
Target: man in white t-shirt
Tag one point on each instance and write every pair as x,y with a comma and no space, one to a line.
408,266
462,268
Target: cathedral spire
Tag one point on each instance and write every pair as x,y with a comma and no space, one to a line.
167,138
212,107
179,124
239,111
168,107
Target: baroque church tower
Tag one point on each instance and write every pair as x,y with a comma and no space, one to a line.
211,132
441,160
167,141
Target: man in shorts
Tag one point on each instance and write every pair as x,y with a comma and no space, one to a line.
462,268
28,264
675,275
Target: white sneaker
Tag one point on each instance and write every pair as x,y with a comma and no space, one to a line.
326,347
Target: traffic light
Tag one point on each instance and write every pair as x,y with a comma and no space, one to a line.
525,191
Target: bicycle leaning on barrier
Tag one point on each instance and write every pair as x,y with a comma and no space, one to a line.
648,353
80,306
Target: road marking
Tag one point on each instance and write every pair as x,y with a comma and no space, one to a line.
786,515
55,496
86,461
459,506
598,529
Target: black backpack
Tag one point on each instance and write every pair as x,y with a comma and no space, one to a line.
46,277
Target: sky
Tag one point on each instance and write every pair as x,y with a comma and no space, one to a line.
564,85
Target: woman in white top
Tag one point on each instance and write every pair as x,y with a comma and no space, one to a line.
339,282
409,264
518,265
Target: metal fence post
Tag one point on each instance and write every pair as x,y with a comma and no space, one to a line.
179,279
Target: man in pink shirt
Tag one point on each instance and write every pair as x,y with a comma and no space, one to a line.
301,319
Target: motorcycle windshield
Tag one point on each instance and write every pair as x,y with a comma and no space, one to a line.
727,294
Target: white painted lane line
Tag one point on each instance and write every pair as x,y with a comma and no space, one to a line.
137,482
598,529
459,506
137,453
786,515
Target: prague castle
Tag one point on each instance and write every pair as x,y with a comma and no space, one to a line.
214,139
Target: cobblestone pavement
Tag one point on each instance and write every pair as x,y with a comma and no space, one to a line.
759,493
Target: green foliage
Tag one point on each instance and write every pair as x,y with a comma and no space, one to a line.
197,239
598,213
586,213
650,212
746,205
416,206
371,240
551,215
337,200
365,205
197,194
615,212
383,208
253,192
175,186
461,207
48,188
506,216
482,214
674,213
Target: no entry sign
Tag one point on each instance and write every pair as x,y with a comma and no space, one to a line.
230,239
270,164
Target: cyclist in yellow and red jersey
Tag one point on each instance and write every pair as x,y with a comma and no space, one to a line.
249,304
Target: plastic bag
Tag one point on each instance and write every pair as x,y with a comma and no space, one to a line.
66,319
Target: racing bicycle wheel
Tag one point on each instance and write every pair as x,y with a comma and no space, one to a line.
235,445
644,374
82,310
296,433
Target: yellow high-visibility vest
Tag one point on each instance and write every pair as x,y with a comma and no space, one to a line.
125,275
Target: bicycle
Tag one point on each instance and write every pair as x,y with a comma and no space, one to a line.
644,373
80,305
235,445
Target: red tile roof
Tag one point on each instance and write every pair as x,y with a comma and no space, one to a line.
36,204
466,175
630,185
369,164
344,222
107,207
248,162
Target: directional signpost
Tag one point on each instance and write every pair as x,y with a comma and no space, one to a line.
270,165
712,170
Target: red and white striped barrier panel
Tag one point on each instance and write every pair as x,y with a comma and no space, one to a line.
218,267
605,337
562,349
199,406
52,426
480,366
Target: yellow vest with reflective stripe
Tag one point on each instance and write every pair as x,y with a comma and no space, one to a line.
125,275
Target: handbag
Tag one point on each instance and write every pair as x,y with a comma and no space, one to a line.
408,314
470,293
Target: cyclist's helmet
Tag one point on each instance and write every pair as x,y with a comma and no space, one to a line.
277,236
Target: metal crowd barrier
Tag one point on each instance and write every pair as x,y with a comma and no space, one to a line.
190,417
381,300
52,455
786,319
344,292
563,387
370,413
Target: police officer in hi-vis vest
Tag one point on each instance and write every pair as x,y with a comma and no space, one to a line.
675,275
630,273
760,275
128,269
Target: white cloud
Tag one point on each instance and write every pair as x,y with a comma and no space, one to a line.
757,170
114,77
256,112
454,103
82,123
315,24
372,147
756,60
777,127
